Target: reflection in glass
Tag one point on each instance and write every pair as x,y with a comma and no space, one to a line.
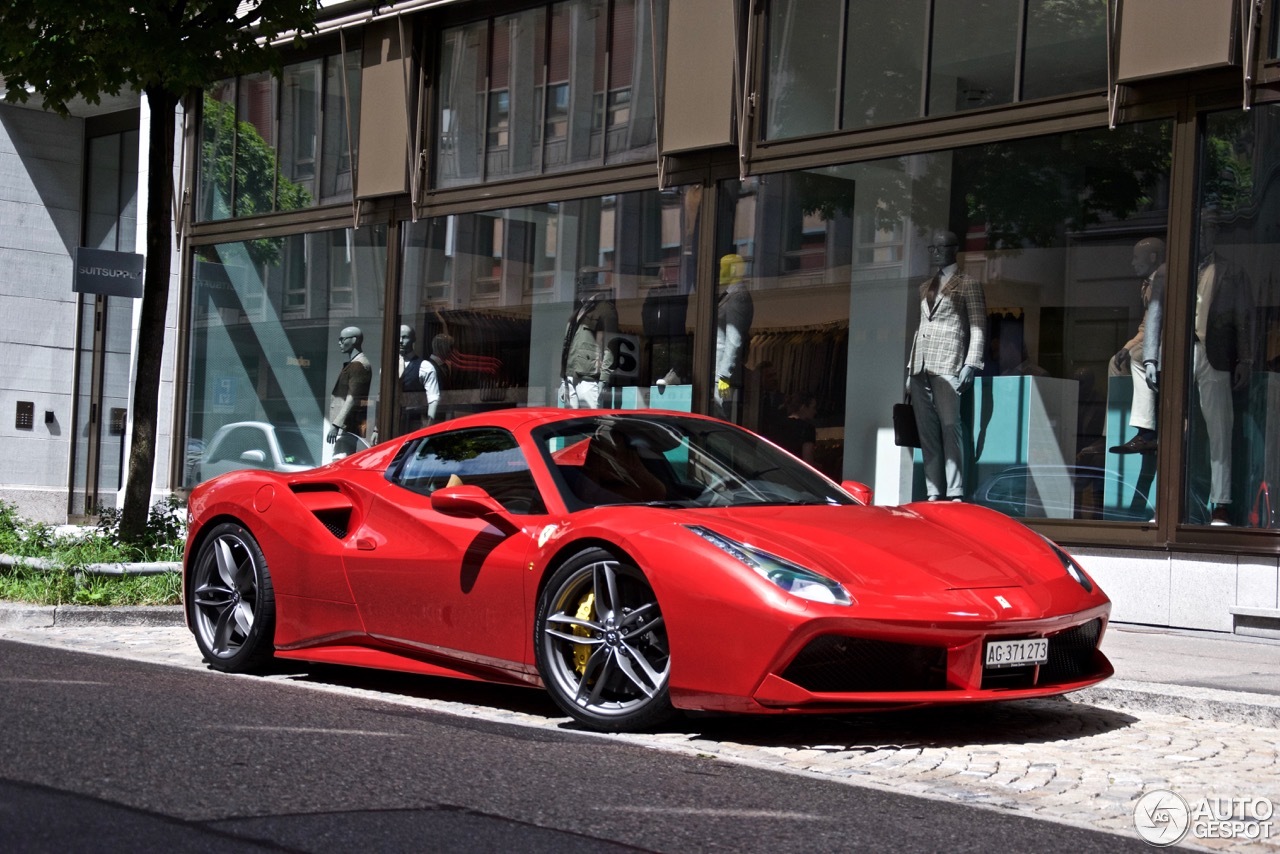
269,144
561,86
974,55
1232,455
1059,34
835,261
265,360
786,242
300,123
523,306
804,65
884,62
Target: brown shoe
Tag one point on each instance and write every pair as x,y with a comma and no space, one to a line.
1137,445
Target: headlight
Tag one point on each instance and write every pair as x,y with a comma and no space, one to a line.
1069,564
790,577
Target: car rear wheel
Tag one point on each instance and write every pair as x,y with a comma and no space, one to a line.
602,644
230,602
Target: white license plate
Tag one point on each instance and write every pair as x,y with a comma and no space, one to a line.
1015,653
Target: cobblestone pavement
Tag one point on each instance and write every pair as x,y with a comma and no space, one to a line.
1070,761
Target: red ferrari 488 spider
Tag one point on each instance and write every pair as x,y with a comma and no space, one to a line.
633,563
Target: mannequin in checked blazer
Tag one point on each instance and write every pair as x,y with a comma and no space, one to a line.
946,352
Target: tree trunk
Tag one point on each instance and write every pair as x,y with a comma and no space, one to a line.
151,327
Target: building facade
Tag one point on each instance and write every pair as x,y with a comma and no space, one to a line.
737,208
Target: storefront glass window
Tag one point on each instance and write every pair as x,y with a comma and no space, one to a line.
285,342
972,63
973,54
1059,33
804,63
884,67
573,303
1232,450
557,87
826,308
279,144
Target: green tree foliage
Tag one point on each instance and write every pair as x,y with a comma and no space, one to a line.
235,158
60,50
1030,192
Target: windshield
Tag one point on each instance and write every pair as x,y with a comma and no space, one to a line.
673,461
293,447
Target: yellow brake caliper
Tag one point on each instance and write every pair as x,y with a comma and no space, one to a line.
581,652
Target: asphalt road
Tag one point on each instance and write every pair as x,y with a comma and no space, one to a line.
111,754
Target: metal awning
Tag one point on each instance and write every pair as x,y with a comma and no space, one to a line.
375,10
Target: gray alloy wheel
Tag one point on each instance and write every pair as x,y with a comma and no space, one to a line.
602,646
230,603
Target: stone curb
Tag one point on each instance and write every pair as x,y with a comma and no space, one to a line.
154,568
1243,707
23,616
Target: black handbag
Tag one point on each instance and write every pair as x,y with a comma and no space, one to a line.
905,433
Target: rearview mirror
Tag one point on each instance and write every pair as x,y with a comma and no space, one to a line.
465,501
860,491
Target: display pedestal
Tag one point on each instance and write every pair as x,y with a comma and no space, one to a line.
1020,435
678,398
1129,479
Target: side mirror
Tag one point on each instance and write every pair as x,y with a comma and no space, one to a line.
256,458
465,501
860,491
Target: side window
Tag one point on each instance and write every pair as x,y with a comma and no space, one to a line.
237,442
489,459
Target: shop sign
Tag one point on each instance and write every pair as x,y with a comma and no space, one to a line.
113,274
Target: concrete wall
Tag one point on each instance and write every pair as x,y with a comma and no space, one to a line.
40,201
41,178
1189,590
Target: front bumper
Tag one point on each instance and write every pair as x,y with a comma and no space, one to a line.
836,666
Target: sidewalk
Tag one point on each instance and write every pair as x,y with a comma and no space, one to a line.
1205,675
1208,675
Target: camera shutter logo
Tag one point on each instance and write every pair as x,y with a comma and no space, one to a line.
1161,817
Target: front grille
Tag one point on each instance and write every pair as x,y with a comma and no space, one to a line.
1070,659
838,664
1010,677
1071,653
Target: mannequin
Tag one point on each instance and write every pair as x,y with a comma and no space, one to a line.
587,360
946,353
1221,353
735,312
349,400
419,385
1148,262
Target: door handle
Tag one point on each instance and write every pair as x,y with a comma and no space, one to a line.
365,544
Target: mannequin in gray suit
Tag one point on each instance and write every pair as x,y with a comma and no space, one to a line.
946,353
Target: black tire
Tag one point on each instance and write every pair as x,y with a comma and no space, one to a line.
601,644
230,603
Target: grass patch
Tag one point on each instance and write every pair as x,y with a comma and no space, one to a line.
66,583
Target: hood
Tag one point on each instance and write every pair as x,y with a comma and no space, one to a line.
891,549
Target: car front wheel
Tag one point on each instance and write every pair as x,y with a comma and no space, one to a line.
230,602
602,644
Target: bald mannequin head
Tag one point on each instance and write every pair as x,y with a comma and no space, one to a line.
1148,254
351,339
